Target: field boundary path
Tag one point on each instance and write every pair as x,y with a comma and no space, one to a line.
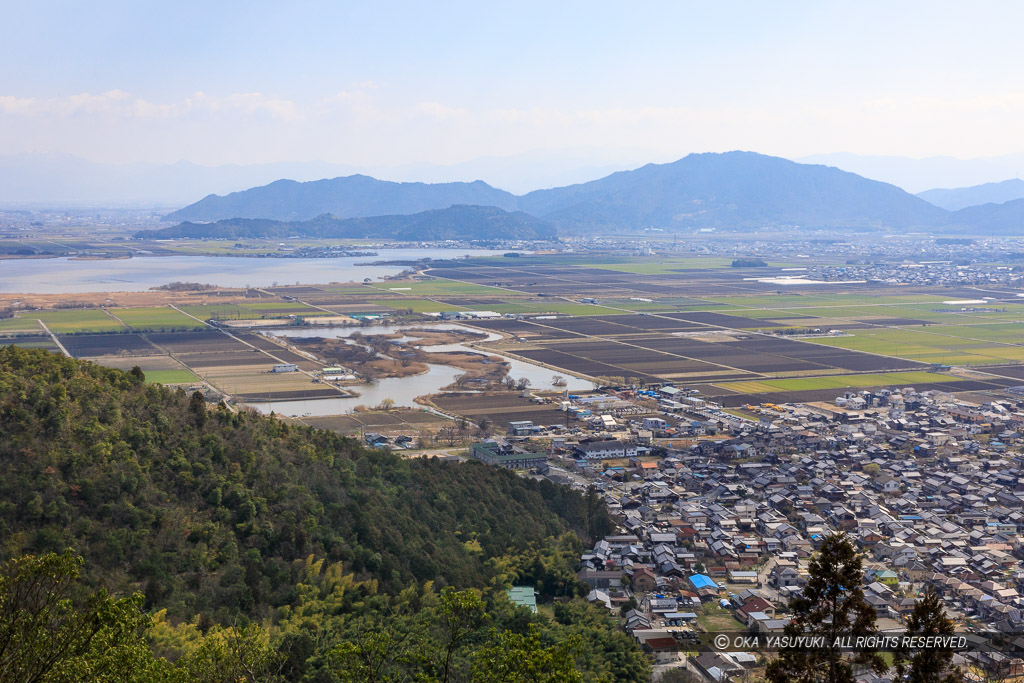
253,346
54,338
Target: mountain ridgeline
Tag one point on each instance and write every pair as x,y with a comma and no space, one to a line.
355,196
978,195
458,222
739,191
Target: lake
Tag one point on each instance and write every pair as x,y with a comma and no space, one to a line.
69,276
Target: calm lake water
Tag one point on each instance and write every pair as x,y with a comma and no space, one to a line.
403,390
62,275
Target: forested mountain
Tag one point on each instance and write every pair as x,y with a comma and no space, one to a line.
731,190
355,196
220,517
963,197
991,219
458,222
735,190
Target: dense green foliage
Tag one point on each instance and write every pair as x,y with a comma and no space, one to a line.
458,222
348,197
54,630
255,543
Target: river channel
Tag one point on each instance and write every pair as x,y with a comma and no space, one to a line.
403,390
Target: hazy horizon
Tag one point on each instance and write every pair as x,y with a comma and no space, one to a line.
403,85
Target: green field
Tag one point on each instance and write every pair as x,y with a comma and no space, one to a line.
220,312
437,288
19,325
277,309
417,305
170,377
717,620
768,386
156,318
933,344
70,321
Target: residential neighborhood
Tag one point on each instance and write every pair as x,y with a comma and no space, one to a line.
716,529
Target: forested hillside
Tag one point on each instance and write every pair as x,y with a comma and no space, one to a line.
222,518
456,222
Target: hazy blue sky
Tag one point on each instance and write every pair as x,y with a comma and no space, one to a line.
381,83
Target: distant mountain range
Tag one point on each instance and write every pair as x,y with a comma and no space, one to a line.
738,191
731,190
918,175
355,196
963,197
990,219
458,222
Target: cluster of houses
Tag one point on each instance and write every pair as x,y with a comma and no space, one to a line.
930,274
931,490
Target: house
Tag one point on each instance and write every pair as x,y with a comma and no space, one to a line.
644,579
783,577
520,428
507,455
523,596
374,440
756,605
655,423
593,450
285,367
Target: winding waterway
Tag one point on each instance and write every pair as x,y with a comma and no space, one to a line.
403,390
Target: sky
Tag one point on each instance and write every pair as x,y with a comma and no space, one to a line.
379,84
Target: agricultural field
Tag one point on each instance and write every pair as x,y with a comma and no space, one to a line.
20,324
501,408
838,382
89,345
155,318
436,287
171,377
693,321
220,312
75,321
388,423
30,341
416,305
271,309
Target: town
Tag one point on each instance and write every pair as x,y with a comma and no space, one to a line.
715,530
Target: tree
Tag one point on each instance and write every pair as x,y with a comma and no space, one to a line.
449,434
831,605
238,655
52,630
197,405
514,658
386,405
522,383
484,427
928,665
460,615
680,675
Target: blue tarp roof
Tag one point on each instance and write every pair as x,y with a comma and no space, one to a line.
702,581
